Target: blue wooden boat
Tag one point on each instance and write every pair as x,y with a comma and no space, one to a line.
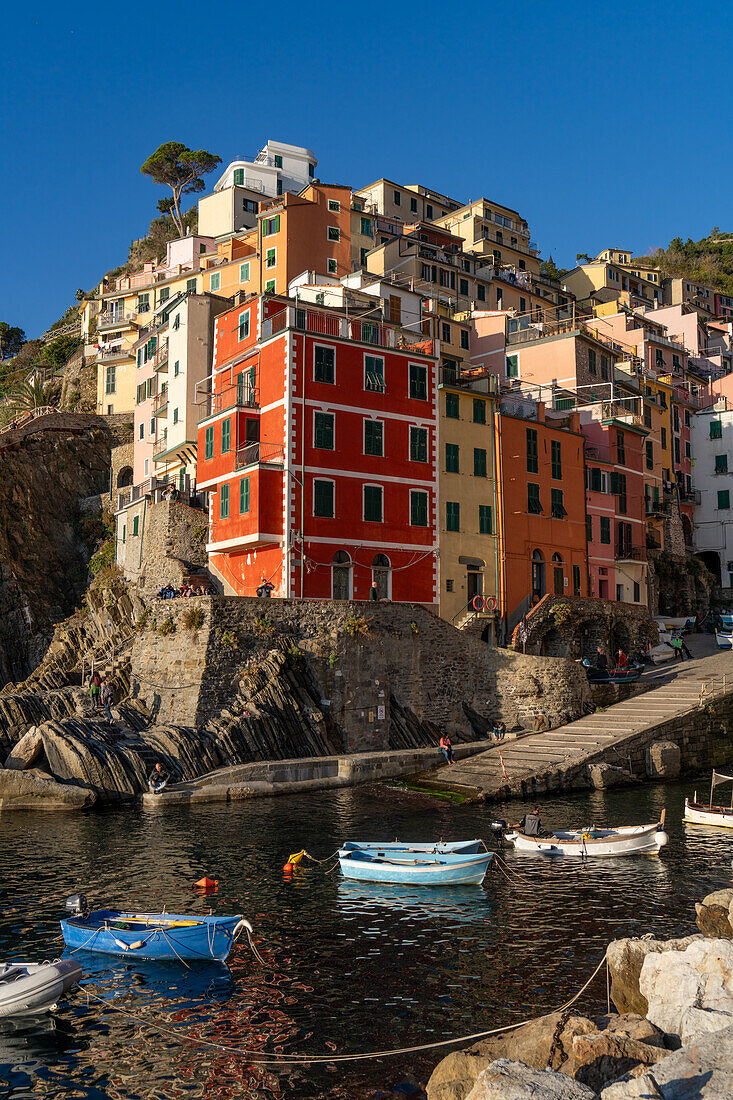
414,869
725,641
162,936
439,847
626,675
726,622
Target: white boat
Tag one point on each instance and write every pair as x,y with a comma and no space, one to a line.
628,840
36,987
658,654
697,813
675,622
725,641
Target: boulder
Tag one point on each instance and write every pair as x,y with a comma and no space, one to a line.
603,776
603,1057
27,751
22,791
690,992
455,1076
663,760
712,920
506,1080
625,959
703,1068
632,1026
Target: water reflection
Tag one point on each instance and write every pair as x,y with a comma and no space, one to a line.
454,904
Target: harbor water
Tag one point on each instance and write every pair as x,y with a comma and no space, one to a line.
350,968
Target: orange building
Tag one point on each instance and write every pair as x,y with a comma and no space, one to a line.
541,506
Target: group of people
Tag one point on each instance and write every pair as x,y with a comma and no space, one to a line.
102,695
498,733
168,592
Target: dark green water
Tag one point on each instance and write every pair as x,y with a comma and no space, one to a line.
350,968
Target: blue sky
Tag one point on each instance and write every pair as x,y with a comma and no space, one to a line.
603,126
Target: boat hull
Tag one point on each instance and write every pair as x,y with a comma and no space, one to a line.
697,814
457,870
152,935
37,987
641,840
725,641
441,847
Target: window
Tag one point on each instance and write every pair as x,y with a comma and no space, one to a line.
418,444
190,286
164,295
366,227
418,382
533,498
619,593
142,431
659,357
364,254
464,339
589,528
557,508
428,211
334,205
226,435
209,443
716,429
532,458
373,373
271,257
620,449
663,438
270,225
323,431
243,331
606,530
481,292
558,575
332,266
463,287
270,286
243,495
215,281
224,502
556,452
604,368
397,198
324,365
311,170
479,462
448,585
143,303
323,499
452,515
451,406
124,533
452,458
135,525
175,416
418,508
688,451
647,416
676,418
677,456
333,233
239,177
244,272
637,592
374,437
649,448
576,580
512,365
687,418
445,333
721,463
479,411
484,519
592,360
413,206
373,503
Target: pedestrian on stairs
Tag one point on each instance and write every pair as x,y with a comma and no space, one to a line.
95,689
107,697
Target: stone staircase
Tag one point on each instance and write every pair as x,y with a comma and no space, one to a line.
537,761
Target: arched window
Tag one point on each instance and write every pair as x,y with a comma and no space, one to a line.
124,477
341,576
558,575
382,575
538,574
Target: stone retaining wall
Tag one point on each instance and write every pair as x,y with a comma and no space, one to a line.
571,626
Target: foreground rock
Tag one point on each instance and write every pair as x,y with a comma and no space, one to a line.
713,914
604,1057
690,992
703,1068
505,1080
625,960
26,791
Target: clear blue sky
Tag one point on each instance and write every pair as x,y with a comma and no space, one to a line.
603,125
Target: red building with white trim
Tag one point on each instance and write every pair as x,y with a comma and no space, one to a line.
317,445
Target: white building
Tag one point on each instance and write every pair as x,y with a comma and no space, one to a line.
711,437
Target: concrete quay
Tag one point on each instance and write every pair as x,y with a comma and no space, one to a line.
692,707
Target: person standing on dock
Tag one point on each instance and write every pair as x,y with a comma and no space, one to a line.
600,661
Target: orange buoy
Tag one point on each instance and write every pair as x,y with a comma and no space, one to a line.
288,869
207,883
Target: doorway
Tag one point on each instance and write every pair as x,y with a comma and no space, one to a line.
381,575
341,576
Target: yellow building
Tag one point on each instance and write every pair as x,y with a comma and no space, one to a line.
495,232
468,558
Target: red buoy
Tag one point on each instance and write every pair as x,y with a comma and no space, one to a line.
207,883
288,869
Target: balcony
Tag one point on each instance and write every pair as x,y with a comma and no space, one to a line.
255,454
160,358
617,411
240,395
630,553
160,404
657,507
117,318
690,496
344,327
161,444
114,355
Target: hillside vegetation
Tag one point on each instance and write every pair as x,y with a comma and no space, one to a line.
709,260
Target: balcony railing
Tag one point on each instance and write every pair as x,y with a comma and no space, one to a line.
616,410
161,443
343,327
253,454
657,507
160,404
160,358
116,319
630,553
110,355
690,496
240,394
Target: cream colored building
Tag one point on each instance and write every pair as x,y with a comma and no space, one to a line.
497,233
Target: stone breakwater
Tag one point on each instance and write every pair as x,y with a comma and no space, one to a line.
671,1035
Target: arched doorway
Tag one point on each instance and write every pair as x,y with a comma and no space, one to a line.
711,561
341,576
382,576
538,574
124,477
558,575
687,530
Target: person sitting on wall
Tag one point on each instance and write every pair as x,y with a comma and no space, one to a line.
446,748
530,825
157,779
266,588
498,733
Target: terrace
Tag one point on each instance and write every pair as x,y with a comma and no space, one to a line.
344,326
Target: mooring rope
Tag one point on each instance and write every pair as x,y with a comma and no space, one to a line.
269,1058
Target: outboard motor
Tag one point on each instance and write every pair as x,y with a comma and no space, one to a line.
76,906
498,828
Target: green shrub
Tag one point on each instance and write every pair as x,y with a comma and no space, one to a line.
356,624
193,618
167,626
264,624
229,639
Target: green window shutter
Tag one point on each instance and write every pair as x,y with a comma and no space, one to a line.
723,498
716,429
190,286
418,444
532,454
324,365
512,366
479,462
373,498
209,443
239,177
556,451
605,529
451,406
557,507
224,502
721,464
533,498
452,461
373,437
226,435
373,372
135,525
244,495
418,382
452,515
479,411
484,519
323,431
323,499
418,508
275,224
366,227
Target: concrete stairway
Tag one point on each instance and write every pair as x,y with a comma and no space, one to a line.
599,736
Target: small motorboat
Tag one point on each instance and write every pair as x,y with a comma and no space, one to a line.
726,623
35,987
449,869
626,675
159,936
439,847
658,654
628,840
697,813
675,622
725,641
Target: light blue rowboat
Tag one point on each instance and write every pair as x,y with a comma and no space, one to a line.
438,847
153,935
725,641
415,869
